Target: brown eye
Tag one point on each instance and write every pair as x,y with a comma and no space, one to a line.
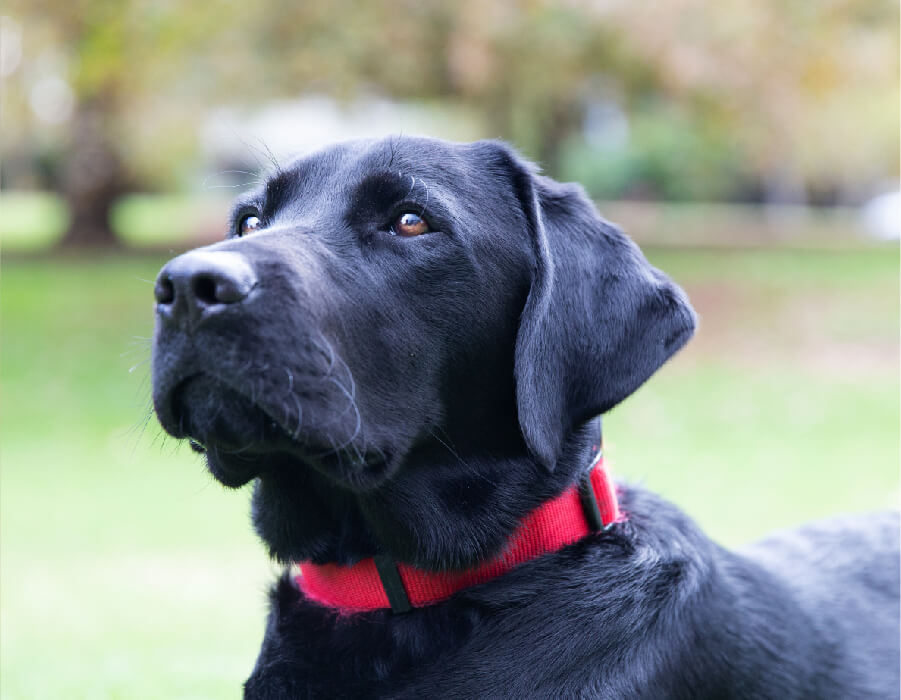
249,224
409,224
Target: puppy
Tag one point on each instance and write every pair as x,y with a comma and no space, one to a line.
405,345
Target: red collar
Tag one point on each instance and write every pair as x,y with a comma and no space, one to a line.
368,584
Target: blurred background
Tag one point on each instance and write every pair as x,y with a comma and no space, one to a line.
751,148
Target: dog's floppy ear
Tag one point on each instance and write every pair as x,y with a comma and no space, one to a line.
598,321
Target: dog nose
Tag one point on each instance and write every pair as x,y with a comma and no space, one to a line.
201,283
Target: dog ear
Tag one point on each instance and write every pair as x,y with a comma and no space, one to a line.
598,321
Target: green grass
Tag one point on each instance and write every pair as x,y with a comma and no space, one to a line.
156,220
128,573
31,220
36,221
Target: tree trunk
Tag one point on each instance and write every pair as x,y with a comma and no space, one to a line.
560,122
93,177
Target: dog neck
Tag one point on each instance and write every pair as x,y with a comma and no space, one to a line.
444,510
380,582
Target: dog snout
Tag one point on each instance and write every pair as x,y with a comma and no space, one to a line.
199,284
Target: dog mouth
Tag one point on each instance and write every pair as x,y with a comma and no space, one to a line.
208,412
243,439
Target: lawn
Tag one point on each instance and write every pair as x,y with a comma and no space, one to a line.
128,573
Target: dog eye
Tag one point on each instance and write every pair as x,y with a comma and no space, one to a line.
249,224
409,224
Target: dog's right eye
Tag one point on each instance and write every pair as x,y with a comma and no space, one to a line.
409,224
249,224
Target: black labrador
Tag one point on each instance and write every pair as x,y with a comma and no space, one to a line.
405,344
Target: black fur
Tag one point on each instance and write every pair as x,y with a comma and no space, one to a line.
417,397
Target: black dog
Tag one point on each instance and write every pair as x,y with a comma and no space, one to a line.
404,344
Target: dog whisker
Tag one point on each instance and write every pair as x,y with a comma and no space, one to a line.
231,187
273,161
290,380
331,352
335,451
350,376
353,405
142,362
256,390
356,450
455,454
427,195
237,452
139,428
296,433
449,448
206,186
378,450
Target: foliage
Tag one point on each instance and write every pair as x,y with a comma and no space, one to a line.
776,73
31,220
782,97
36,221
670,157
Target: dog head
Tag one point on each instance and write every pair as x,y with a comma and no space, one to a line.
383,307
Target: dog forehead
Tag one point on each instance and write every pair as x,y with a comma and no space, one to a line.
341,166
418,156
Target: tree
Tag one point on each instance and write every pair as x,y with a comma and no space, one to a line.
789,81
115,55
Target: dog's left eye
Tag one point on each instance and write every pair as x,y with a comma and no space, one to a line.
409,224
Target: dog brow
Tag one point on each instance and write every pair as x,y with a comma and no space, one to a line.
277,188
393,185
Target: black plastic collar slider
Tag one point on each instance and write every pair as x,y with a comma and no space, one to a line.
590,505
391,582
587,496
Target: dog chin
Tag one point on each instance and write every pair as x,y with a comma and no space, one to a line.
348,470
210,413
242,441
